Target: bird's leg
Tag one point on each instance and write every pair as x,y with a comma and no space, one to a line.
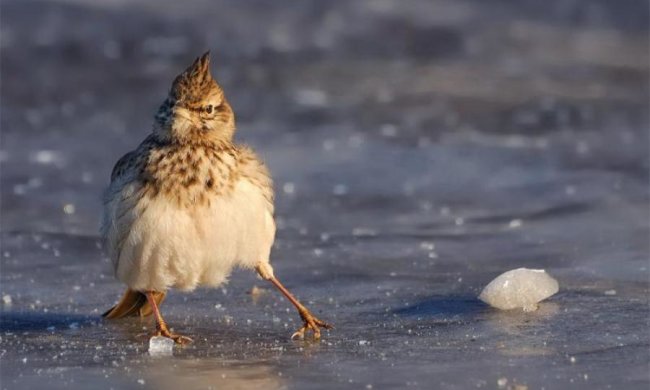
161,325
310,322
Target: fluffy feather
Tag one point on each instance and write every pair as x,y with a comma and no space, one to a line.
156,244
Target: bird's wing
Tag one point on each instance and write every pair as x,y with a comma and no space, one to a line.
253,169
123,165
132,159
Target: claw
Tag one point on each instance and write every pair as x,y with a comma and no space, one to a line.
310,323
299,334
161,326
178,339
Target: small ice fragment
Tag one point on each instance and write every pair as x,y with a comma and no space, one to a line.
502,382
364,232
6,299
388,130
87,177
328,145
141,381
355,141
161,346
311,97
572,359
340,189
364,342
68,208
45,157
519,288
515,223
20,189
289,188
570,190
610,292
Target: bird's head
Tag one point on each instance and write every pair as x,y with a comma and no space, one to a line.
196,109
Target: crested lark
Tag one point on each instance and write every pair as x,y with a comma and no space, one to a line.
189,204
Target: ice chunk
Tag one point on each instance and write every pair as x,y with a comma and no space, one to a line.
46,157
289,188
69,208
519,288
161,346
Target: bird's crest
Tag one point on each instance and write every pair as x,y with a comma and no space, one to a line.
195,82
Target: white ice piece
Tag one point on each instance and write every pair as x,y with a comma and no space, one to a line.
519,288
161,346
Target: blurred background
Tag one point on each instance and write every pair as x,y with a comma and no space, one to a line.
419,148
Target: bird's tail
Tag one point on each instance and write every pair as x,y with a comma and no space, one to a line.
133,303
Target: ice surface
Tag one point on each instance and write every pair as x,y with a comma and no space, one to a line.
519,288
161,346
452,140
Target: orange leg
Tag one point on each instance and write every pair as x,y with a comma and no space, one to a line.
310,322
161,325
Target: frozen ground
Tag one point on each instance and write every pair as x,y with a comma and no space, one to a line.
419,148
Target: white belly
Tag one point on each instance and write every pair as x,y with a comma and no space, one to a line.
156,245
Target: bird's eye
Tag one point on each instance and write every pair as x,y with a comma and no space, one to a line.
208,108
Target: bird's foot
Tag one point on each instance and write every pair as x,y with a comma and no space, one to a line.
310,322
178,339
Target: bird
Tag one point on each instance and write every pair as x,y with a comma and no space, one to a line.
189,204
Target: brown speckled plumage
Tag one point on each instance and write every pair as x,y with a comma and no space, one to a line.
191,174
192,164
